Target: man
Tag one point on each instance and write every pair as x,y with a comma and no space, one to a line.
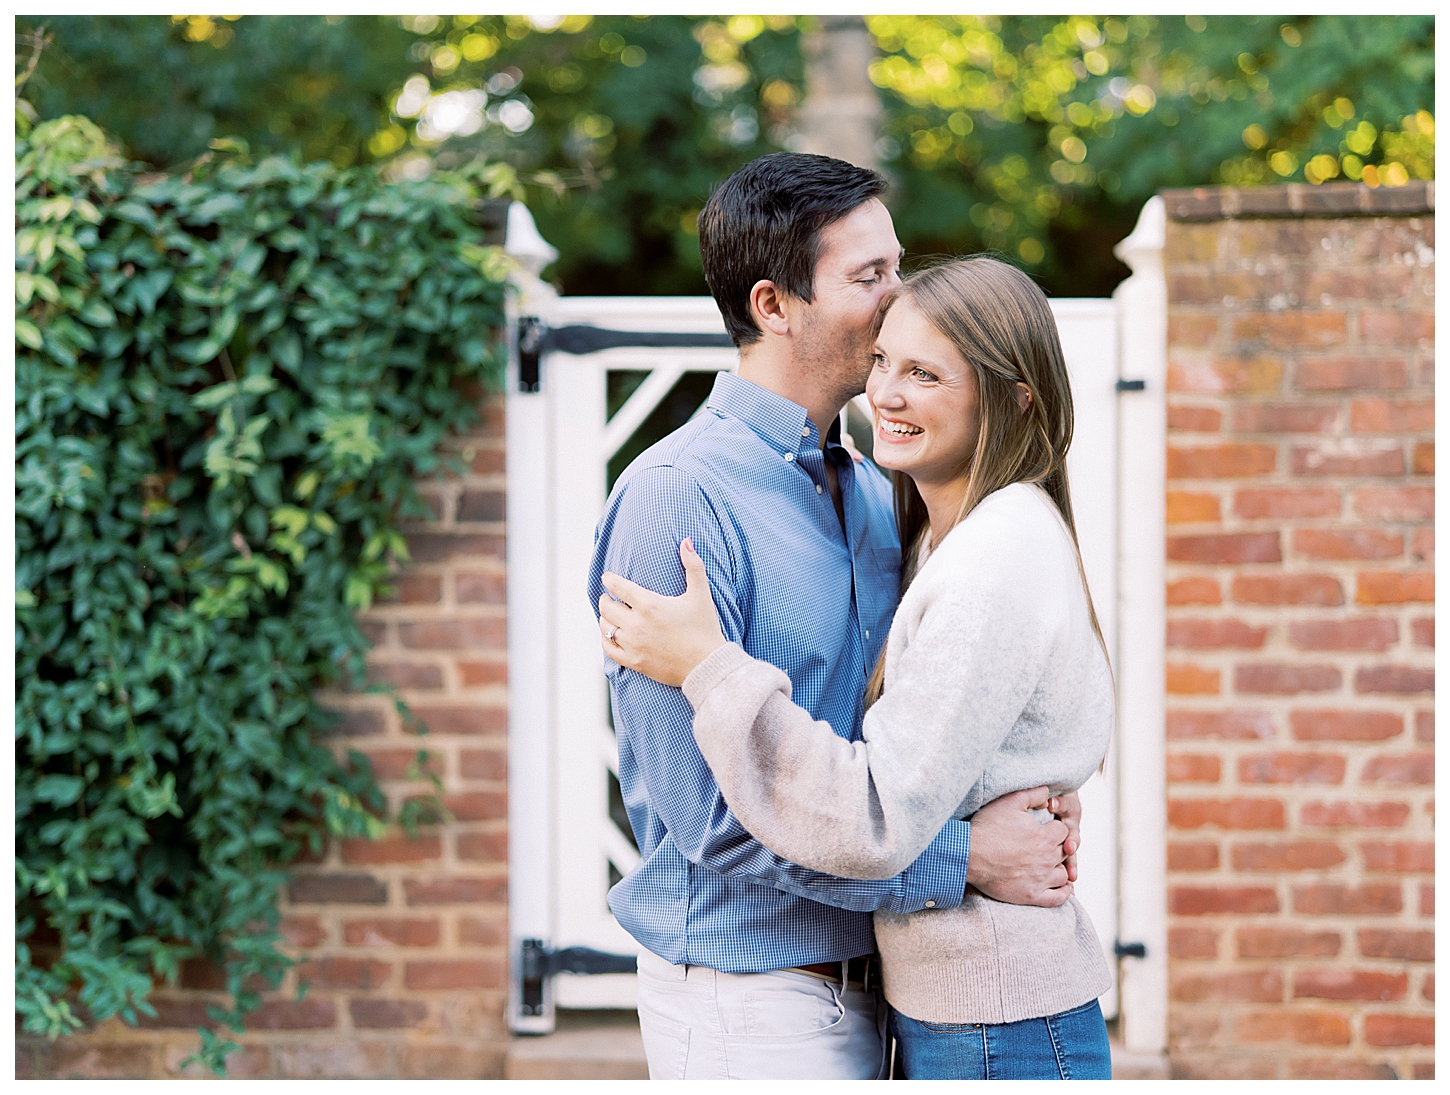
756,968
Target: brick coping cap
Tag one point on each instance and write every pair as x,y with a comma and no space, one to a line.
1348,199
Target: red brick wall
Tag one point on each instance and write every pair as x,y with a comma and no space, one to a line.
405,940
1301,633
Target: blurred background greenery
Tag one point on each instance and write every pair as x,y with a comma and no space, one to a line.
1036,136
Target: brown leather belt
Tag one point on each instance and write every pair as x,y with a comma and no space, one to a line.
860,970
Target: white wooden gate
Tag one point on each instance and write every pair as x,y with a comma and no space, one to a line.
567,441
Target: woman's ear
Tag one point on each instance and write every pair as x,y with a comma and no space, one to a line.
1024,397
767,306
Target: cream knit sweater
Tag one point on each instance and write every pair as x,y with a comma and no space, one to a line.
995,682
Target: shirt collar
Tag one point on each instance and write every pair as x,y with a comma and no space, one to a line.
783,425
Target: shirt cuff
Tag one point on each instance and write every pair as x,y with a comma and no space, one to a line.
938,878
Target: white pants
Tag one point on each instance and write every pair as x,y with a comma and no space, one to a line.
699,1024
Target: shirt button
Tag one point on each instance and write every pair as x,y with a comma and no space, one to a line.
868,633
789,457
818,488
806,431
930,904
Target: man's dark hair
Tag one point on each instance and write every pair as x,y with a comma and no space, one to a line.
764,223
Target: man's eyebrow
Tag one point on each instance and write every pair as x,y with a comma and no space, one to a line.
875,262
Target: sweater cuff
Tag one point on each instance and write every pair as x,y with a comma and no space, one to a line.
704,677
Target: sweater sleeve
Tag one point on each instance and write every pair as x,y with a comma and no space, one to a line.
866,809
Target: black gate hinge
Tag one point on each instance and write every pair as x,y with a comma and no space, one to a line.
537,963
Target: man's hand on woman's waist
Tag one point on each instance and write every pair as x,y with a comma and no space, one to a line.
1017,859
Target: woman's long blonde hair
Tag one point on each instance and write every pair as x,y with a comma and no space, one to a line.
1001,324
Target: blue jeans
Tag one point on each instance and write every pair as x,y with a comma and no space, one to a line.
1069,1046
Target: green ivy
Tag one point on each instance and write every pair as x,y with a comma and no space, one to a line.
226,382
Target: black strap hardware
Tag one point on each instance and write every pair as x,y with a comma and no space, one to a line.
535,340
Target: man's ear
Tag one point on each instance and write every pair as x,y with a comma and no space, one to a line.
767,308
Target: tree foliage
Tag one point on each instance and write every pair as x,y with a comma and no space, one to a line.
226,381
636,117
1038,136
1024,132
165,86
1034,135
622,123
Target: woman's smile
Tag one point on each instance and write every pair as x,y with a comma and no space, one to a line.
894,431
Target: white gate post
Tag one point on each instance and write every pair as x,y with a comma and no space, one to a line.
528,464
1143,913
1088,328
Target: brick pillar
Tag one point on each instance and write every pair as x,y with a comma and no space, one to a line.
1300,631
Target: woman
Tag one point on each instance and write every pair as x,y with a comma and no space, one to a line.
994,678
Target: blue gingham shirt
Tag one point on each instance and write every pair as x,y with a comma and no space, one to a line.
746,480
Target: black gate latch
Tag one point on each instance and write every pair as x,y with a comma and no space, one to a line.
537,964
1130,950
531,346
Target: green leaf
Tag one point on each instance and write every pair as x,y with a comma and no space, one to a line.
98,313
258,384
57,208
198,350
137,213
69,245
271,576
349,437
59,790
27,334
27,285
147,288
287,239
359,594
210,398
288,350
215,208
290,518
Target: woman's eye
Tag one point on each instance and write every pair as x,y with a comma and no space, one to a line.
922,374
878,359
